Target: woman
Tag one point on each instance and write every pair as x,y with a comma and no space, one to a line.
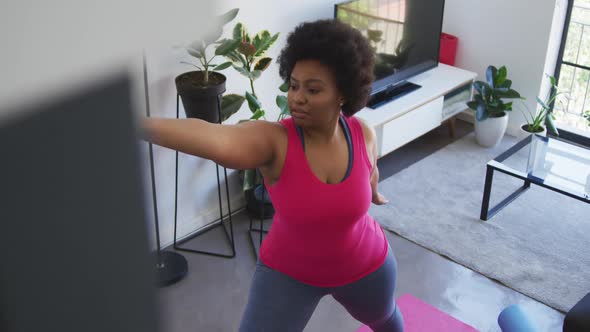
320,170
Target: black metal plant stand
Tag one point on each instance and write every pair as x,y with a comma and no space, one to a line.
214,223
260,230
171,267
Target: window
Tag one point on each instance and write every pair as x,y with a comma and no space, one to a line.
573,72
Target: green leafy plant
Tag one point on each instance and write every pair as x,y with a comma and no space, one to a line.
587,116
249,59
488,100
543,114
199,48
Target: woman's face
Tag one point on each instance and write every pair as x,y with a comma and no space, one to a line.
313,97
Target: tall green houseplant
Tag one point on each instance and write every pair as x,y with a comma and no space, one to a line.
489,97
490,106
250,60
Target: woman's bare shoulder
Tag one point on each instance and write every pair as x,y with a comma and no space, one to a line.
368,131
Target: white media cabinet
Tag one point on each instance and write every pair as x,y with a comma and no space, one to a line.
444,92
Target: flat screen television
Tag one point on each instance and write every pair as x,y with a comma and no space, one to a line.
405,35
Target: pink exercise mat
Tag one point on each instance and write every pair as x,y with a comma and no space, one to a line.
420,316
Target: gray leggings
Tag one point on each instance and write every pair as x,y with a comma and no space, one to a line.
278,302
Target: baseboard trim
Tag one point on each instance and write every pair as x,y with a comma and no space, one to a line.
202,223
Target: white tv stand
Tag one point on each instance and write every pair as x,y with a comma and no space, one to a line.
409,117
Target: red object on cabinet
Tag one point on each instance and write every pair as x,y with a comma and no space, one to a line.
448,49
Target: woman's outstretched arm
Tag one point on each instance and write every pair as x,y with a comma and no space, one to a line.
242,146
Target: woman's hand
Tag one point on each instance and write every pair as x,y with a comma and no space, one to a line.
379,199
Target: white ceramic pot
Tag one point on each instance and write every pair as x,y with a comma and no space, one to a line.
526,133
490,131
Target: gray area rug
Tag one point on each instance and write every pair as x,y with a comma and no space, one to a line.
538,245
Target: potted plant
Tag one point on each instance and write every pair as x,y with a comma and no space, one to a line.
489,106
200,90
587,116
543,118
250,60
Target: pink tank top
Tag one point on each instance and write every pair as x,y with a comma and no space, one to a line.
322,234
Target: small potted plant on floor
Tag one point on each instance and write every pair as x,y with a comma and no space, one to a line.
543,118
489,106
200,90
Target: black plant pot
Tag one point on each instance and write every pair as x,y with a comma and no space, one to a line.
200,100
255,206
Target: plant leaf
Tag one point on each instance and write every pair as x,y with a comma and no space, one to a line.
192,64
551,125
198,46
228,16
227,47
258,114
247,49
506,84
266,44
223,66
472,105
230,104
253,102
236,58
213,36
195,53
285,87
479,86
255,74
260,38
262,64
509,94
485,92
542,103
242,71
282,103
481,113
501,77
238,31
249,179
490,74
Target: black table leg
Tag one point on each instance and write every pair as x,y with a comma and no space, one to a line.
485,204
486,211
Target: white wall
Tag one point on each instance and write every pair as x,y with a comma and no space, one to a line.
506,32
51,47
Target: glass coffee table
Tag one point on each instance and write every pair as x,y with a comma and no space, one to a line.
544,161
